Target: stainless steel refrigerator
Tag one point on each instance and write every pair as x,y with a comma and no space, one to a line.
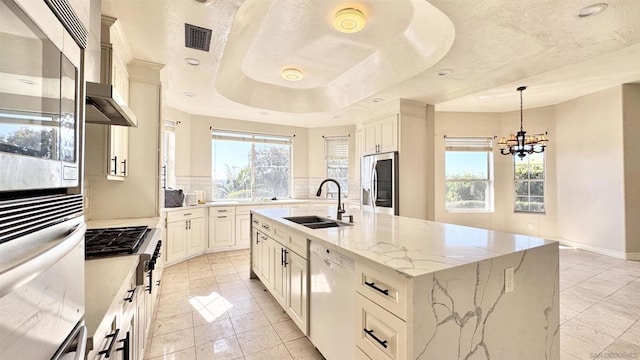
379,183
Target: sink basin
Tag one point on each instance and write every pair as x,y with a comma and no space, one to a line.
316,222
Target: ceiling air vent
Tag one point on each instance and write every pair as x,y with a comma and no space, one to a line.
196,37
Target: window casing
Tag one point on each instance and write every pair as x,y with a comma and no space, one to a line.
529,175
468,174
169,154
336,155
250,166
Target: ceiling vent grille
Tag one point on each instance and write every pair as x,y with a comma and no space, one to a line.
64,12
196,37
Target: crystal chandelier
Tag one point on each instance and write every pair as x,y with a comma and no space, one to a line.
522,144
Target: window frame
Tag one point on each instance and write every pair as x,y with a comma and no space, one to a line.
472,144
253,138
529,181
333,154
169,173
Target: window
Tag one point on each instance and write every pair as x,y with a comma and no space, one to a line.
468,174
169,154
250,166
336,155
529,182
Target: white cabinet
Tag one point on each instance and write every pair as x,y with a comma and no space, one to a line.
243,231
222,227
381,135
296,292
185,234
279,259
118,152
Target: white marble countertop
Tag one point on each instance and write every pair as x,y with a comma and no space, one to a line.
103,278
410,246
153,222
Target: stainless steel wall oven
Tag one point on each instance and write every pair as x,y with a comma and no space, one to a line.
42,225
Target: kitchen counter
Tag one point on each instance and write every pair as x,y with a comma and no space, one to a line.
423,290
410,246
104,280
283,202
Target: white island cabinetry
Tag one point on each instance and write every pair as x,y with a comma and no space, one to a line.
426,290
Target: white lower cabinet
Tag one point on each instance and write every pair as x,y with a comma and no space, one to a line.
379,333
243,231
185,234
297,270
282,271
222,228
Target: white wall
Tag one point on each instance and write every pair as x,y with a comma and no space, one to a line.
590,171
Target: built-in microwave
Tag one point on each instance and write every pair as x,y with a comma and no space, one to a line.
40,119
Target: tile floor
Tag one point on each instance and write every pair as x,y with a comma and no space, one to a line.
209,309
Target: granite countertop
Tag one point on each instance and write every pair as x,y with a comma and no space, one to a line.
103,279
413,247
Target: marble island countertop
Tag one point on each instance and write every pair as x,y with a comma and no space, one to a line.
410,246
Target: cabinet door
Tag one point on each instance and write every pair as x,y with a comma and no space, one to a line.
243,231
118,151
388,134
221,231
370,139
268,262
280,275
256,252
296,291
141,322
176,241
195,237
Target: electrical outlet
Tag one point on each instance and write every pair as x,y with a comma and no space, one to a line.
508,280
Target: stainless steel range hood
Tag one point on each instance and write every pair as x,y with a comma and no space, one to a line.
106,106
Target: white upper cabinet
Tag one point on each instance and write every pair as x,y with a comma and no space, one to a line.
381,135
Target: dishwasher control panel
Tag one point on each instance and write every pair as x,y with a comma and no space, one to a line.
331,256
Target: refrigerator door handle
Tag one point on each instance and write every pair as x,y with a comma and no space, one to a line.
374,185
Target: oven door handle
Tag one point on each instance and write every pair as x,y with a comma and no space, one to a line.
28,270
80,333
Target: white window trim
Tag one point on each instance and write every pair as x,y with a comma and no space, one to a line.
330,154
473,144
544,181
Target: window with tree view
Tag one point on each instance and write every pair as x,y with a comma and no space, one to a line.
468,174
529,183
336,154
250,166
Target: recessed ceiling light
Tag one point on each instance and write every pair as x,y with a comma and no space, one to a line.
192,61
592,10
26,81
190,94
377,100
349,20
292,74
445,72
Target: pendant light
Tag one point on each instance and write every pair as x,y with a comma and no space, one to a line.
522,144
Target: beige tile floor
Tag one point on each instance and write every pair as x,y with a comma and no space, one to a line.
209,309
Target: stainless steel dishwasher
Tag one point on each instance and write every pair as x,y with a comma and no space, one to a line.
332,303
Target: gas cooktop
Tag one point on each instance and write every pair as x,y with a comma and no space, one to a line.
113,241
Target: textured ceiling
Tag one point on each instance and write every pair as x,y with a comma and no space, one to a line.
495,46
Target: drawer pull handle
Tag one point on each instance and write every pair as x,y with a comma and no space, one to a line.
264,238
132,295
222,210
109,350
373,285
265,226
222,217
383,343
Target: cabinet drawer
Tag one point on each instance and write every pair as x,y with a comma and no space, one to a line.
265,226
185,214
298,244
387,289
279,233
360,355
128,295
222,210
243,210
380,334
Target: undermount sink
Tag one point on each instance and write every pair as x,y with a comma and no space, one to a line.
316,222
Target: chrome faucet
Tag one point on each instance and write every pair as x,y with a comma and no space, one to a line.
319,192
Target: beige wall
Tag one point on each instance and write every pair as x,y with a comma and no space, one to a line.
590,171
183,131
631,128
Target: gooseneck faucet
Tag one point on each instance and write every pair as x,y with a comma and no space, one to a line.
319,192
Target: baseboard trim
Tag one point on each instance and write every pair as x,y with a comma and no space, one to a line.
602,251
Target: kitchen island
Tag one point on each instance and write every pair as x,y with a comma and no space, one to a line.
423,290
